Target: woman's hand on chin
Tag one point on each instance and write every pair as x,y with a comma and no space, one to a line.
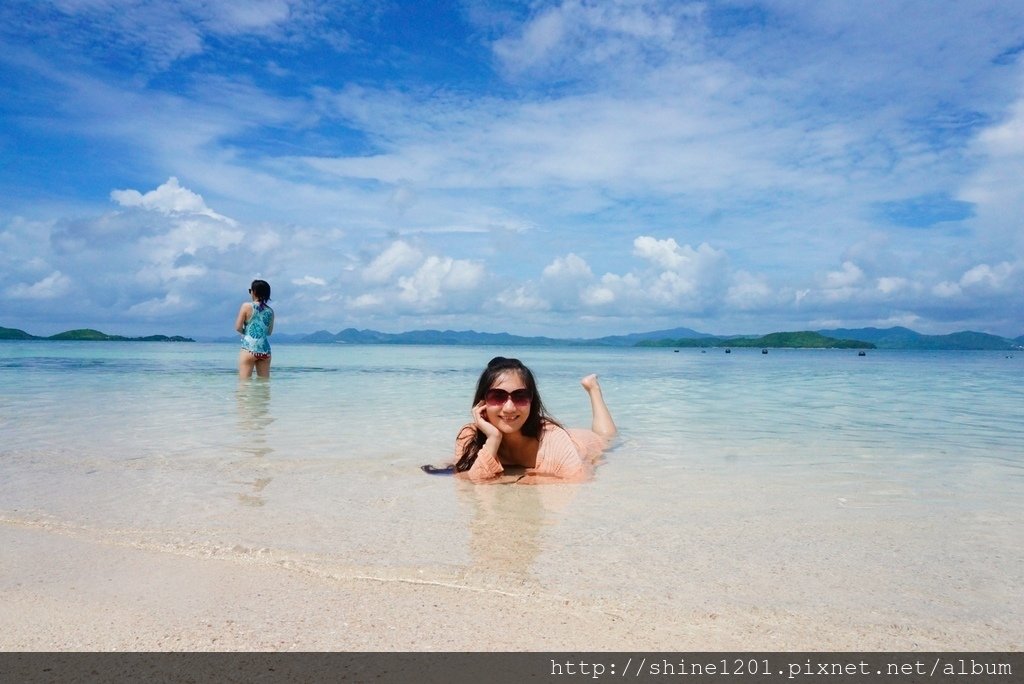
482,424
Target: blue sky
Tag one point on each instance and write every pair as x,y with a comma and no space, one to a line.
559,168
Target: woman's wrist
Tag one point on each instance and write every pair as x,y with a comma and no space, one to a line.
491,445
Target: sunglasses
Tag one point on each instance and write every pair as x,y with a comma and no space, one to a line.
498,397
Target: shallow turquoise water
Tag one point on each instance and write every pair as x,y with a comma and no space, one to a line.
901,471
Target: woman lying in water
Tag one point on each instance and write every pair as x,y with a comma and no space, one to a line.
511,430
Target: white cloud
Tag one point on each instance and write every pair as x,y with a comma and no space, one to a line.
613,288
264,241
245,16
159,307
748,291
186,251
159,34
997,158
985,290
52,286
438,277
402,198
664,253
538,39
522,299
570,266
848,276
670,287
165,251
671,277
889,285
669,255
368,301
306,281
572,35
906,320
684,277
399,257
1001,148
169,198
598,295
989,277
564,282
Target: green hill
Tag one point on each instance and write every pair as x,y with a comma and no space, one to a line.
87,335
15,334
804,339
780,340
904,338
84,334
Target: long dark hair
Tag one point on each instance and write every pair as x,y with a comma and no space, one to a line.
531,428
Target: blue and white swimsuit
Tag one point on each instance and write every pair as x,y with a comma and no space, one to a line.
255,341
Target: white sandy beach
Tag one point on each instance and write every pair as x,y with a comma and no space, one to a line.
67,594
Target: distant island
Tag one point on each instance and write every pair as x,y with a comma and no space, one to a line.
781,340
471,337
905,338
839,338
88,335
845,338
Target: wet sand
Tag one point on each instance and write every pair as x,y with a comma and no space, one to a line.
63,593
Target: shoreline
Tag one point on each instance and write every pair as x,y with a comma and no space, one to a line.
63,593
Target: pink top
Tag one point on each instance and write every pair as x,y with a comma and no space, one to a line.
563,456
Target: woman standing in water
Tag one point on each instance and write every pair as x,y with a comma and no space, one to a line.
511,430
255,322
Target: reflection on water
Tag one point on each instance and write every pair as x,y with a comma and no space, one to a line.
508,525
253,400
